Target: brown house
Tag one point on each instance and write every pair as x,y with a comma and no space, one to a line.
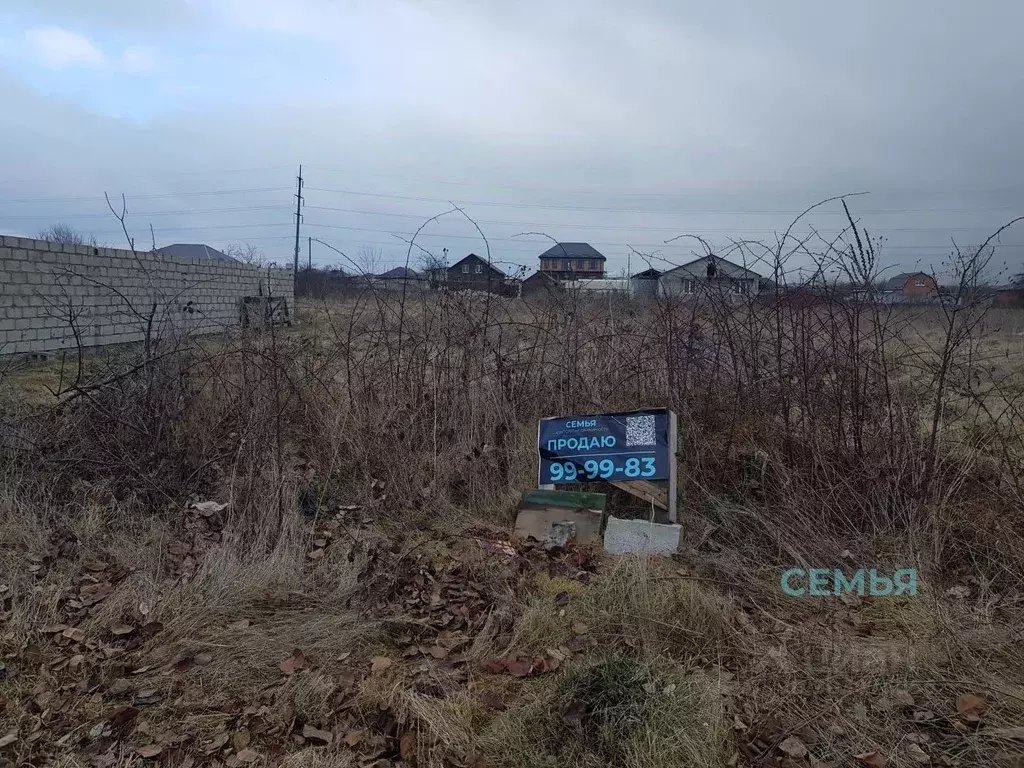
572,261
474,274
912,285
1008,297
540,284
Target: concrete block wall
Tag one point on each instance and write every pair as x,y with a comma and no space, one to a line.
50,292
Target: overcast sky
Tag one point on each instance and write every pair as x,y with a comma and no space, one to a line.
619,124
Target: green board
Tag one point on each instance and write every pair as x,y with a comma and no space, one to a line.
569,499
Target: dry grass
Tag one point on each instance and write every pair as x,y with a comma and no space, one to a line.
806,440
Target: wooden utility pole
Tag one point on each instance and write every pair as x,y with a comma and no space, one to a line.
298,221
309,265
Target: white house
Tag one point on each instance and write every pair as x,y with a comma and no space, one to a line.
709,274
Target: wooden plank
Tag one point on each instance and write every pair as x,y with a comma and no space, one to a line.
657,495
567,499
673,446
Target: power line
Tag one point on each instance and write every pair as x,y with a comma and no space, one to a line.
624,227
421,217
694,192
688,212
106,214
149,197
164,175
592,242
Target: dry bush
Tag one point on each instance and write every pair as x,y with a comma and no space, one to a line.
807,429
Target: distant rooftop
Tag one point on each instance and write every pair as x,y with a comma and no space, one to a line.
400,272
195,251
574,251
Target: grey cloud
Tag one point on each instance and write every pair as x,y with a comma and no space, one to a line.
695,118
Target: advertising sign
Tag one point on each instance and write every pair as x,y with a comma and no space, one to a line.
614,447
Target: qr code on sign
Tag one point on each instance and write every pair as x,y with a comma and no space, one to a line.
640,430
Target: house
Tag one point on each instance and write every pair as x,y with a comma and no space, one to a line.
400,277
909,286
1008,297
572,261
540,284
400,273
645,283
602,285
195,251
473,273
709,274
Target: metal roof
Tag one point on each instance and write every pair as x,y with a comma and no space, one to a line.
195,251
574,251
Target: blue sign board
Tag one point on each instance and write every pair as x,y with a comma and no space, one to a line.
609,446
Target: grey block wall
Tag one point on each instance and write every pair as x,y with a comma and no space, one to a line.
50,292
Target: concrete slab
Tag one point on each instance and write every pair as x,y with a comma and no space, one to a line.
626,537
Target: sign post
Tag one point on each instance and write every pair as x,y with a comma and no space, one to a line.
632,450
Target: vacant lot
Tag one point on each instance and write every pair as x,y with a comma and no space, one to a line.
279,548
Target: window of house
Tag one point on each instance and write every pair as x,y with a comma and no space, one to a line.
738,286
919,283
688,286
465,269
479,268
579,264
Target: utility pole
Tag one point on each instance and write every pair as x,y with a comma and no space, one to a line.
309,267
298,221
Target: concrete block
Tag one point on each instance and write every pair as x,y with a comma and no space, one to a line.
625,537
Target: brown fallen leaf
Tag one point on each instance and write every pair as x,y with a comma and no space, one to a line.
519,667
247,755
354,738
317,735
119,687
241,739
918,755
903,698
380,663
218,743
438,652
150,750
74,634
493,700
793,747
204,658
971,707
874,759
8,739
407,747
294,662
234,626
120,630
